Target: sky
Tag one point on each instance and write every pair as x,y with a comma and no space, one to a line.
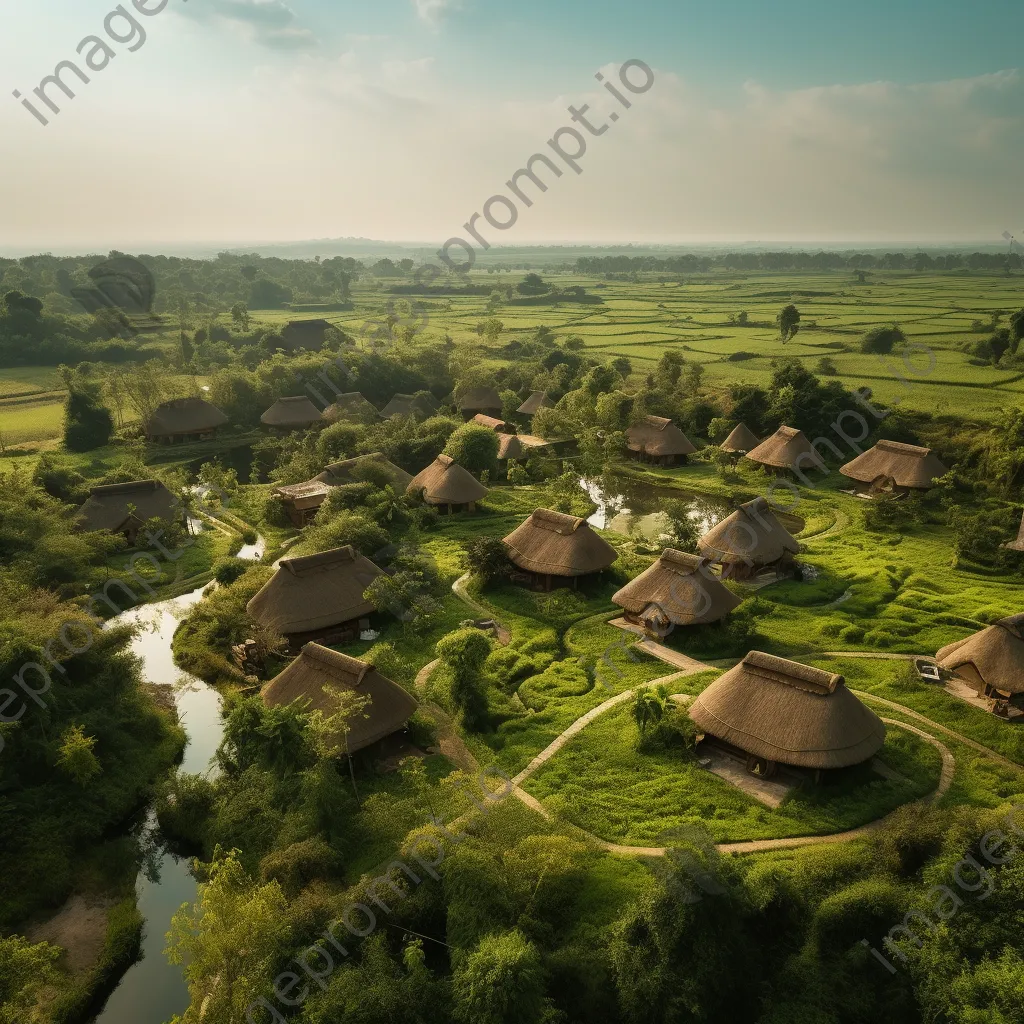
254,121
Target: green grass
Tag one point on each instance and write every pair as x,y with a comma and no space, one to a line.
24,419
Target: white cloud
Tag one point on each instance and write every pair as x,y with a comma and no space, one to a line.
432,11
271,23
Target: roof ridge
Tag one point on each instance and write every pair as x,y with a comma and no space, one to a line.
793,673
335,556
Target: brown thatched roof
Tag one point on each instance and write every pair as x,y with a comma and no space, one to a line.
480,400
537,401
353,470
742,439
492,423
316,668
1018,544
752,534
315,592
996,655
352,406
291,414
907,465
658,436
422,405
509,447
185,416
787,448
107,506
445,482
787,712
682,588
557,544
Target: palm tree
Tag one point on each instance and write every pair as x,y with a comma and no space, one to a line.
648,708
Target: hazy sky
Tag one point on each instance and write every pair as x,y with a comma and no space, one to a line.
261,120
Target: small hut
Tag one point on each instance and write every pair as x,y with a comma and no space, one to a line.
658,440
992,661
678,590
302,501
533,405
183,420
446,484
307,334
125,508
485,400
787,449
421,406
493,423
750,541
772,711
296,413
1018,544
555,548
351,408
316,669
740,441
317,597
894,468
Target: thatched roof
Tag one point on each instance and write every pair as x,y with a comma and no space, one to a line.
784,711
291,413
315,592
907,465
1018,544
557,544
353,470
107,506
479,399
752,534
422,405
520,446
352,406
996,654
682,589
658,436
492,423
185,416
445,482
787,448
316,668
537,401
742,439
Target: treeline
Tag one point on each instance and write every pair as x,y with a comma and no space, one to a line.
693,263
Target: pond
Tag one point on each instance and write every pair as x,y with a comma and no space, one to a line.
152,990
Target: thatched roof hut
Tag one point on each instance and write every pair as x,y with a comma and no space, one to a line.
740,441
891,465
184,419
556,544
107,507
659,440
486,400
992,660
316,668
352,406
307,334
316,596
291,414
751,539
421,406
533,405
782,712
493,423
787,448
1018,544
444,482
678,590
520,446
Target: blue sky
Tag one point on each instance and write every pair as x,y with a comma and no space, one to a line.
259,120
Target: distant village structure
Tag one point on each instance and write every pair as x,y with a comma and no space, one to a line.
741,441
446,485
533,405
894,468
351,407
480,400
556,549
991,661
420,406
126,508
787,450
660,441
749,542
297,413
183,420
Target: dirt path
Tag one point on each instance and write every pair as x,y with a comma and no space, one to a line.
459,590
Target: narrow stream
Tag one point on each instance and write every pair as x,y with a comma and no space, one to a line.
152,991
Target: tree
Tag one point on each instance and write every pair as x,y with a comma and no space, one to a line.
1017,327
517,474
331,731
669,370
882,340
464,652
240,316
489,559
648,708
788,321
500,982
24,971
533,284
88,423
683,533
475,448
76,758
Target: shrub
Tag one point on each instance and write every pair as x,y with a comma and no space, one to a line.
489,559
853,634
882,340
827,367
227,570
183,808
299,864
